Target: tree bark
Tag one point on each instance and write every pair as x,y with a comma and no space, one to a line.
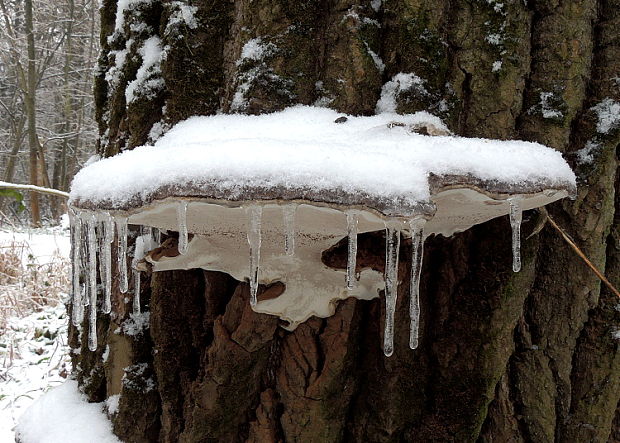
532,356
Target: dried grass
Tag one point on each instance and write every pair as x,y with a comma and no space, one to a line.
26,286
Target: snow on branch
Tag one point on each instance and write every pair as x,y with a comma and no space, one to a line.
33,188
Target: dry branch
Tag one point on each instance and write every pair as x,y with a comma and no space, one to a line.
580,253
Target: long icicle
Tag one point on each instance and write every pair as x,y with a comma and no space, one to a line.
100,261
288,212
136,291
86,217
392,246
76,242
106,259
92,282
72,243
417,254
92,326
152,240
516,214
182,221
352,250
80,311
255,214
121,229
84,256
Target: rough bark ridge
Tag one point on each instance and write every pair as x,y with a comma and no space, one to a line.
532,356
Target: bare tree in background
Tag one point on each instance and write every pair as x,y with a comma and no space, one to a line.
47,53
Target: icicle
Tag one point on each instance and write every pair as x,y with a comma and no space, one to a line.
92,323
392,246
182,221
516,214
255,214
100,262
289,229
72,242
86,264
76,241
106,260
78,309
121,229
136,291
351,279
83,237
91,223
157,236
153,237
76,229
147,232
417,253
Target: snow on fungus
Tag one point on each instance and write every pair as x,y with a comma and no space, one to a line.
282,188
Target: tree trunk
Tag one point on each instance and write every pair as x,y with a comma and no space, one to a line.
31,112
532,356
68,125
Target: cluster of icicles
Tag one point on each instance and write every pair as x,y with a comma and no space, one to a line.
99,231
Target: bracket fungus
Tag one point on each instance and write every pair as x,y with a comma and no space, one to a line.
262,197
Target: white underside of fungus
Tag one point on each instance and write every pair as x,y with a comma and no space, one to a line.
262,197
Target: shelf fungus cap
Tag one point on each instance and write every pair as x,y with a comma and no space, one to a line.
382,168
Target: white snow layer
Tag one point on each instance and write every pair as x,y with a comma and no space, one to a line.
302,148
64,415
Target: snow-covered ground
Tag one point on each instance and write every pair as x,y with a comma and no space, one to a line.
34,356
64,416
39,245
34,267
33,330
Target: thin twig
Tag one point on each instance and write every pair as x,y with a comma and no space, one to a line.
580,253
4,216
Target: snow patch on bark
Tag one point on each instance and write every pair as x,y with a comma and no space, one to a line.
148,78
375,58
587,154
112,404
121,7
546,107
252,69
136,324
182,15
256,50
608,114
400,83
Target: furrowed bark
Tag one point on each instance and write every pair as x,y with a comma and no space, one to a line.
531,356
